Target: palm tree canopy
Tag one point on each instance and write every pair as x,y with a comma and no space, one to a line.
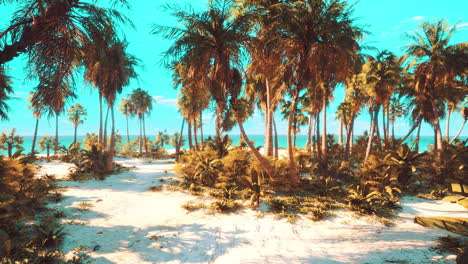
77,114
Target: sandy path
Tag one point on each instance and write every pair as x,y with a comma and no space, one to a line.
125,215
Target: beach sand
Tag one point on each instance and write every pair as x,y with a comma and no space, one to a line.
129,224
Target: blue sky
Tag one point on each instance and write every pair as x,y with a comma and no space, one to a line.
385,20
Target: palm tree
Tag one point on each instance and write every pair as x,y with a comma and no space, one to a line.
46,143
143,104
76,114
52,34
210,43
383,75
436,70
193,98
10,141
37,113
464,114
318,39
119,69
5,89
127,110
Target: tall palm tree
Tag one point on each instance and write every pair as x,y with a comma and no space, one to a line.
76,114
37,113
436,70
383,75
210,42
319,39
127,110
143,104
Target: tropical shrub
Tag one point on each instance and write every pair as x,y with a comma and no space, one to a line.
47,144
224,206
364,200
10,141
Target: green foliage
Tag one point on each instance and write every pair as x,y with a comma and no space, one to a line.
364,199
90,162
91,140
48,235
162,139
450,244
10,141
46,144
224,206
404,163
454,164
219,145
193,205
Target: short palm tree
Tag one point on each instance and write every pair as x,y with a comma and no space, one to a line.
10,141
142,105
127,110
47,143
76,114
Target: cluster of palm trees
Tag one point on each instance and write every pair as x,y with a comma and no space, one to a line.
61,37
139,103
291,55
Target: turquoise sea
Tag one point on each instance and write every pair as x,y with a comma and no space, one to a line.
258,140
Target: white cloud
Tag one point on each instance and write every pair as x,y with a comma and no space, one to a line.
417,18
462,25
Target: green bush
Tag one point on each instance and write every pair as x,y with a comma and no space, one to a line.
224,206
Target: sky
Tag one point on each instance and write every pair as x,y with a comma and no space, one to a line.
386,21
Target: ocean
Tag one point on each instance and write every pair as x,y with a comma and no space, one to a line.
301,140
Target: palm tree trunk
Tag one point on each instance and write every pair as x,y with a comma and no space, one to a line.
74,137
56,144
110,154
418,136
141,134
218,123
324,148
439,140
340,133
190,133
291,148
415,125
371,135
104,139
180,139
447,125
264,162
459,131
317,138
100,118
195,133
276,137
349,138
128,132
308,145
377,128
268,133
201,128
35,136
145,139
384,125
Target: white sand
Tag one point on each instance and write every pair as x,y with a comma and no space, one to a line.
125,215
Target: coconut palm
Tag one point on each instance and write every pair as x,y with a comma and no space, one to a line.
10,141
127,110
76,114
38,110
118,69
437,70
143,104
383,75
319,40
46,144
210,43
